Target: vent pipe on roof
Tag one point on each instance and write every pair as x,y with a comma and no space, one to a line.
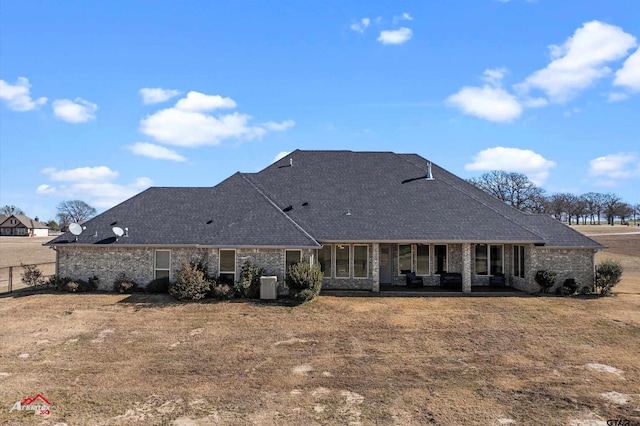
290,162
429,174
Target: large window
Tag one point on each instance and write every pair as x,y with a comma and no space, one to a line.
488,259
227,268
518,261
343,260
422,259
360,261
324,259
162,264
440,254
291,258
405,257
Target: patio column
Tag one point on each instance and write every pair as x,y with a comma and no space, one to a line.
466,267
375,267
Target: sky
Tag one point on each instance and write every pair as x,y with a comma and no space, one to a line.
101,100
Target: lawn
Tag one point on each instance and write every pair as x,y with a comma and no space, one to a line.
146,359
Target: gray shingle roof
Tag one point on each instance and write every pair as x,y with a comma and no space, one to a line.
326,196
24,220
232,213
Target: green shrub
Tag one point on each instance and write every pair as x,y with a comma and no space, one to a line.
249,283
304,281
545,279
570,286
222,291
608,274
159,285
191,282
122,284
93,283
32,276
58,282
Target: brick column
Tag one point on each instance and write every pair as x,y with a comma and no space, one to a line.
466,267
375,267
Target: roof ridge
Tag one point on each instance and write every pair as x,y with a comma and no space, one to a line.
254,186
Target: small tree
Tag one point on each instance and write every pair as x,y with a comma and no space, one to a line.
304,281
249,283
545,279
32,276
608,274
8,210
191,282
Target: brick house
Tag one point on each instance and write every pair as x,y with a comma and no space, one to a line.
368,218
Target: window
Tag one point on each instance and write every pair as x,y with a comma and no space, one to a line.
482,266
21,231
343,259
227,267
405,257
360,261
291,258
14,221
488,259
162,264
440,254
422,259
495,265
324,258
518,261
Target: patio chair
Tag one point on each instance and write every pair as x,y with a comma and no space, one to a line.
412,280
497,280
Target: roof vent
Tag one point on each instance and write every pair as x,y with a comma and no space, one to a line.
429,174
287,209
290,162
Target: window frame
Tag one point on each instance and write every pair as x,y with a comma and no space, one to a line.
518,261
286,266
349,260
400,269
417,258
235,264
366,264
322,263
487,259
155,264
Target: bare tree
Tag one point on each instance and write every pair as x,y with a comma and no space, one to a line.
8,210
595,202
513,188
609,205
624,211
74,211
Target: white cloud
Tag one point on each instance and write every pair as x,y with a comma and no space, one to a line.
199,102
404,17
276,127
99,173
398,36
629,75
580,61
361,25
617,97
524,161
18,97
488,102
77,111
92,184
157,95
614,167
281,155
155,151
187,124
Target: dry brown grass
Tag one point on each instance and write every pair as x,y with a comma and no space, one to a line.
141,359
27,250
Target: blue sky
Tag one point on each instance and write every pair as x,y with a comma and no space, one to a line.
100,100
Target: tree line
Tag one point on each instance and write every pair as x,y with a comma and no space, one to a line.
517,190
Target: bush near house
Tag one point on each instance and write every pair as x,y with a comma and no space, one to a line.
122,284
545,279
304,281
58,282
191,282
32,276
249,283
570,286
608,274
222,291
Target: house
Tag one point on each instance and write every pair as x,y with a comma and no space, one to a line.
21,225
368,218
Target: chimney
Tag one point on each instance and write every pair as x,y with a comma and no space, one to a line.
36,219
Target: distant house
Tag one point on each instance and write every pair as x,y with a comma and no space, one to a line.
368,218
23,226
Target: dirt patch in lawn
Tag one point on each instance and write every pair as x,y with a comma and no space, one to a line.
112,359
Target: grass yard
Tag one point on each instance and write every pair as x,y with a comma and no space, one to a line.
146,359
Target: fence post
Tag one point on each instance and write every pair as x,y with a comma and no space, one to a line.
10,278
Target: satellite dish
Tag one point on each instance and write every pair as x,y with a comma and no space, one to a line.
75,229
118,231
